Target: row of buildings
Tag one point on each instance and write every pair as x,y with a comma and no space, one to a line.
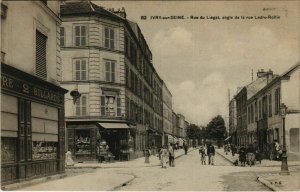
102,60
255,112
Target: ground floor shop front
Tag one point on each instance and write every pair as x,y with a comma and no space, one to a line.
32,127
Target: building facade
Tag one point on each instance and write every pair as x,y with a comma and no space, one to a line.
167,115
232,121
32,102
263,113
106,58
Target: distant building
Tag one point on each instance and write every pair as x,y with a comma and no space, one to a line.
232,121
32,102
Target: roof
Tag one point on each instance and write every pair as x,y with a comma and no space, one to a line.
85,7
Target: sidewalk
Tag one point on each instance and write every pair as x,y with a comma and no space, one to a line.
98,180
139,162
274,182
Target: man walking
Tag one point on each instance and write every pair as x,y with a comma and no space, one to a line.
171,156
211,154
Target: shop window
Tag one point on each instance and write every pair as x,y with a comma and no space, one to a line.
110,71
110,106
8,150
80,69
44,150
40,57
80,35
109,37
294,139
82,142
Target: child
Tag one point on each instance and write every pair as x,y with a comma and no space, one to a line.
202,153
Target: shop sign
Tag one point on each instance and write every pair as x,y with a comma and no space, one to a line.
29,89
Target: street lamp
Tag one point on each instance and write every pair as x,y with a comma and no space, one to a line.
284,164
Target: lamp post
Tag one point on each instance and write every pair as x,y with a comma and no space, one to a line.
284,164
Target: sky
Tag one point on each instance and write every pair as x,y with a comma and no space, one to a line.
204,61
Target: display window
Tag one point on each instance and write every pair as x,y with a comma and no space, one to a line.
82,142
8,150
44,150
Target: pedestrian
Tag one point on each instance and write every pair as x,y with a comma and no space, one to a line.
164,156
202,154
242,156
250,155
171,156
211,154
185,147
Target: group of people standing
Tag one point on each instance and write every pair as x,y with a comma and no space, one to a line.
209,151
165,154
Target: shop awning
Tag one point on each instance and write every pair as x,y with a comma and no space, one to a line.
114,125
227,138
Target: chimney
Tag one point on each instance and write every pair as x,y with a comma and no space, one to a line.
120,12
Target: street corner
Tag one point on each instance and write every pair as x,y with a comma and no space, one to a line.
277,182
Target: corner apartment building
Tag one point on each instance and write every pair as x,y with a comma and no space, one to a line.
106,58
263,112
167,115
32,102
263,78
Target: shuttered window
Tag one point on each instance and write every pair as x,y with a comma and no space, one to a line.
62,36
80,70
110,106
80,35
40,58
81,105
109,37
110,71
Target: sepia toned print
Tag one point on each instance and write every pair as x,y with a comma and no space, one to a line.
150,95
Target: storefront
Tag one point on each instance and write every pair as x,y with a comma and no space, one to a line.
85,138
32,126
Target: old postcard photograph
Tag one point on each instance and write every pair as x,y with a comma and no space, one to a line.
150,95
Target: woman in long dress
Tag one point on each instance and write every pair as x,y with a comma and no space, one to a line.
164,157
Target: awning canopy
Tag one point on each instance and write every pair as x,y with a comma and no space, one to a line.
227,138
114,125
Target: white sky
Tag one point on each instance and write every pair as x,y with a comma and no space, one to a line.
199,60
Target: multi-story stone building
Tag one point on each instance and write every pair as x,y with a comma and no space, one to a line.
167,115
263,112
32,103
106,58
263,78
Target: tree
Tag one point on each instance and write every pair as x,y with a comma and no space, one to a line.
216,129
193,132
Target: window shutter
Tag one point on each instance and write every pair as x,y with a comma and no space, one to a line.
83,35
62,36
77,112
40,59
83,105
113,72
83,70
77,35
103,105
112,42
77,70
107,71
118,106
106,34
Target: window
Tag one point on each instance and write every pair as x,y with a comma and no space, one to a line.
80,35
62,36
80,70
110,71
110,106
265,107
81,105
109,37
270,105
40,56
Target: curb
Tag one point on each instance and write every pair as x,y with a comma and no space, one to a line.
24,184
224,157
122,184
267,184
